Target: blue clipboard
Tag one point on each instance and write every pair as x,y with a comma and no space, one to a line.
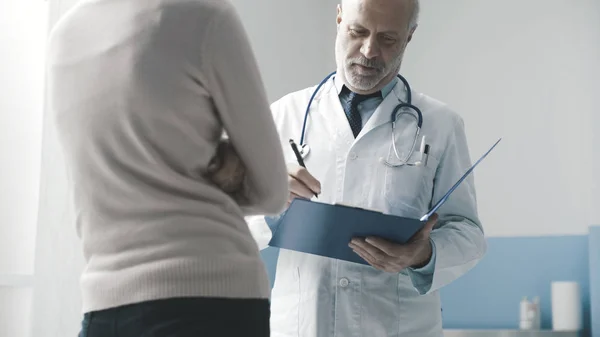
325,230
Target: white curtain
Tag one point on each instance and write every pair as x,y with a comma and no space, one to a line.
22,35
56,299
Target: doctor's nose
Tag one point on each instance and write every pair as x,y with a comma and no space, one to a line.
370,48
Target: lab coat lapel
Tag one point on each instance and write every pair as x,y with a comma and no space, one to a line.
331,109
382,114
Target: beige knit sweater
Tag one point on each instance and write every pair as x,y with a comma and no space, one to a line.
141,91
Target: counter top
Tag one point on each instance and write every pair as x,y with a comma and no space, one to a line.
509,333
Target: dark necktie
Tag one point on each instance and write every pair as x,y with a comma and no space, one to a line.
351,108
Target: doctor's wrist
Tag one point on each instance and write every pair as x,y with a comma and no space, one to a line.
424,255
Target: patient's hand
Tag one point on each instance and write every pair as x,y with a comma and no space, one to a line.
226,169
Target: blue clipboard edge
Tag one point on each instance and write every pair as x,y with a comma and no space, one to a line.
447,195
299,200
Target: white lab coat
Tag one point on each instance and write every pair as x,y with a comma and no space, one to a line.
315,296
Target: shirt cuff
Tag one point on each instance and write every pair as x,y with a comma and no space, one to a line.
422,278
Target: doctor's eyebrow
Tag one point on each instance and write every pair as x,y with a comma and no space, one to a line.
360,29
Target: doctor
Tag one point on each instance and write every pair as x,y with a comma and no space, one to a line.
398,295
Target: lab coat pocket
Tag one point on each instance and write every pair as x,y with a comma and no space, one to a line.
408,189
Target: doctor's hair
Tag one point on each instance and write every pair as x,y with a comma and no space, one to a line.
414,18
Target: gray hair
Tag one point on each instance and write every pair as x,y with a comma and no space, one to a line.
414,19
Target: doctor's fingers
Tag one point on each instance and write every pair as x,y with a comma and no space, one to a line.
385,246
389,267
300,189
291,198
301,174
431,222
423,233
370,260
375,254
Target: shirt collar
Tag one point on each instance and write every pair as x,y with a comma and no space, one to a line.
388,87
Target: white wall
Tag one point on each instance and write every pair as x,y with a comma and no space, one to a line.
527,71
22,36
294,48
294,45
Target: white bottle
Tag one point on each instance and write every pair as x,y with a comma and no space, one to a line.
567,312
525,322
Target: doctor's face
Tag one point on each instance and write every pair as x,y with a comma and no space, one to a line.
371,38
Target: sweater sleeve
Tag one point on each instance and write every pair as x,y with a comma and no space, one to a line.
236,87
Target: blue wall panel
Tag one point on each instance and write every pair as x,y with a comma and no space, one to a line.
488,297
594,256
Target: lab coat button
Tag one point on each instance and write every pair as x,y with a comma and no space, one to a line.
344,282
353,155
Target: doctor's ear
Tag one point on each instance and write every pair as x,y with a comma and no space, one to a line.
338,18
410,35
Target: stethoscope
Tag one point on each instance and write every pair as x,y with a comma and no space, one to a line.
400,109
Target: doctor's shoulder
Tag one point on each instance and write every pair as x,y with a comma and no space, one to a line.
440,114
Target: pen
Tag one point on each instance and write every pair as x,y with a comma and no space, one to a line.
299,157
426,154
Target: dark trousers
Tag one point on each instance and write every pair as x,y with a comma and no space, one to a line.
181,317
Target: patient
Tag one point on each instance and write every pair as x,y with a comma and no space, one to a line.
141,92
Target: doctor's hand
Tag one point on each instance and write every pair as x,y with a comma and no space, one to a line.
393,257
301,183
